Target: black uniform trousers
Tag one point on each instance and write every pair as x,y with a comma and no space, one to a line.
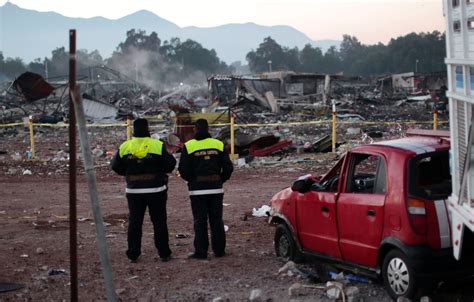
204,207
137,204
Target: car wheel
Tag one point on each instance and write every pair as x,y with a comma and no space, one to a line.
398,275
285,246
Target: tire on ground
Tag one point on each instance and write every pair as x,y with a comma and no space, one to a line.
285,246
398,275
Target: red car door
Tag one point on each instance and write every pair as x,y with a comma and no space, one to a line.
316,212
360,209
316,216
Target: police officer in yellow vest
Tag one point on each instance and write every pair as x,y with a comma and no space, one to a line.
145,162
205,165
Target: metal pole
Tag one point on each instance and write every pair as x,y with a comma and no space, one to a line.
94,196
334,138
435,119
129,128
46,69
72,167
232,143
32,137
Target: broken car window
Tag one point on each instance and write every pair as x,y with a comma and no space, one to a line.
367,174
429,176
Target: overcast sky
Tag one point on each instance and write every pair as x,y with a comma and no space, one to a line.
371,21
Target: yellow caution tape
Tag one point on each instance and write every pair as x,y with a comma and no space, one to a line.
239,125
12,124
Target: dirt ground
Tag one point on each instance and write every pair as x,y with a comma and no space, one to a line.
34,236
35,216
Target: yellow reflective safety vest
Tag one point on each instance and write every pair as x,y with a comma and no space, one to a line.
141,147
205,166
144,162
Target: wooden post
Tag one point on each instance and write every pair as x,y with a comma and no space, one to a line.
435,119
76,112
32,137
334,135
129,128
72,169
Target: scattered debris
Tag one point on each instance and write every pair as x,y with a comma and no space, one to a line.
256,295
352,291
32,86
58,271
298,289
335,290
349,277
6,287
290,265
263,211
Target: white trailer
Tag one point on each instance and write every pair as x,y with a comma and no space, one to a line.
459,15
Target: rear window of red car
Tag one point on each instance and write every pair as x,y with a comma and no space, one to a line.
429,177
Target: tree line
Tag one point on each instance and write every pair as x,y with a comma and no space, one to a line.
423,52
149,60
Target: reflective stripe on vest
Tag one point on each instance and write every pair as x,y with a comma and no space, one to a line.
206,192
146,190
204,144
141,146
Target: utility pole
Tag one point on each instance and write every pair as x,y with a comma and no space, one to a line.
46,69
72,167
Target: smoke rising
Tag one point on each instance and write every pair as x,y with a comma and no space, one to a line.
154,70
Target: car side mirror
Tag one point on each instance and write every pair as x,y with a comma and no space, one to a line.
302,185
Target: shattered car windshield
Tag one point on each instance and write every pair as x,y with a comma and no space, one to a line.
429,176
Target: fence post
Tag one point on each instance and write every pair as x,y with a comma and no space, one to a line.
232,143
129,128
334,137
435,119
32,137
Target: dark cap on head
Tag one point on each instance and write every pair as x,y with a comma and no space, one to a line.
201,125
140,128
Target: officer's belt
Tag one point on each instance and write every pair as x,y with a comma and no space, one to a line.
206,192
145,190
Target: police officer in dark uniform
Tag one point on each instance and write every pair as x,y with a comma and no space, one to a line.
205,165
145,162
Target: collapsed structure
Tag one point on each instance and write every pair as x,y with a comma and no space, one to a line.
282,100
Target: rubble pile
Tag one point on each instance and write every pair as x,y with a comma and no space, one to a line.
281,118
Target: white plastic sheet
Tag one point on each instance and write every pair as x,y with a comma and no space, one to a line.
262,212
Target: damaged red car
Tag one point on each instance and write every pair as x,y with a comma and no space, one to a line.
380,211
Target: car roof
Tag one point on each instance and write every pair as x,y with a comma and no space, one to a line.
415,144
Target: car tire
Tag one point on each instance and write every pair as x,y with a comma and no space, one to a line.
285,246
398,275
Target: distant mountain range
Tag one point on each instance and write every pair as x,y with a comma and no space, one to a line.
30,34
